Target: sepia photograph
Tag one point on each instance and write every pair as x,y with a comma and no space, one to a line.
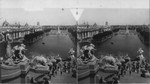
74,41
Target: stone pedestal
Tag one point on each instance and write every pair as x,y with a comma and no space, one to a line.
92,74
23,78
24,70
28,79
97,79
23,74
0,72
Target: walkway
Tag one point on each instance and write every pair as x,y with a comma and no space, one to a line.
134,78
64,79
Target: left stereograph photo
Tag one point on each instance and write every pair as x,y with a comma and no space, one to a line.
37,46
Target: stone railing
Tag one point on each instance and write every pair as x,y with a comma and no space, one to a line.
24,68
90,72
20,70
5,67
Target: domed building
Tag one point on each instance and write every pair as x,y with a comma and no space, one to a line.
26,24
38,23
95,25
5,23
83,26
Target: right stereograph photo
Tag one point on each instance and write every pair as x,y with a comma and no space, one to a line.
113,45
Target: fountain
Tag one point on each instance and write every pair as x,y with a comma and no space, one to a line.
58,31
127,30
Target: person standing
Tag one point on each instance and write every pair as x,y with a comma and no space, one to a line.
129,67
140,56
46,81
116,81
146,66
61,71
122,71
133,66
137,66
32,81
101,80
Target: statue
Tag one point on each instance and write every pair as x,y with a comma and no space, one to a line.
87,54
140,56
8,48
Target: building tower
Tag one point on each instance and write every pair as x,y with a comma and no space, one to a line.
106,23
38,23
26,24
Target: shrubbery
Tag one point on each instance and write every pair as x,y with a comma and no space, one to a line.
115,30
144,34
101,35
73,32
47,30
33,35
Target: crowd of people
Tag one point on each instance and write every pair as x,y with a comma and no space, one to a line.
134,65
125,64
129,66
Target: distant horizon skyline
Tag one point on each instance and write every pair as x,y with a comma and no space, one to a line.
57,16
70,24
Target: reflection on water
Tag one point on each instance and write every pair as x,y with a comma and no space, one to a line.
51,45
123,44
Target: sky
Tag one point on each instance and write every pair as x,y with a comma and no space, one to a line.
58,12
